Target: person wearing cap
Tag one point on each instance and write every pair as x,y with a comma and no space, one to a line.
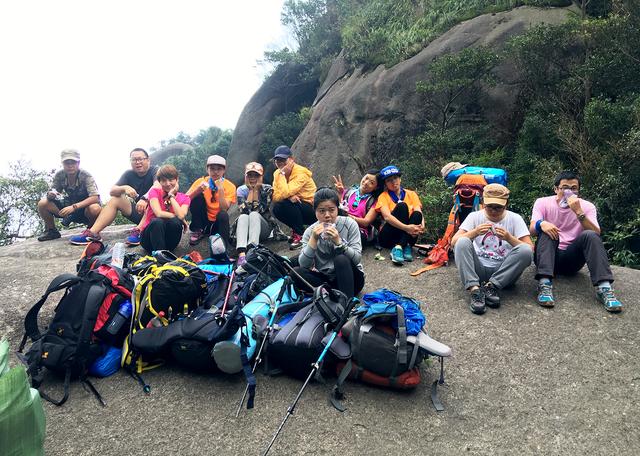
254,200
568,238
73,197
492,248
128,196
401,210
293,190
211,197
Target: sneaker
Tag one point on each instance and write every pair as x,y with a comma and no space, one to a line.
290,238
242,260
49,234
134,237
397,256
296,242
545,294
477,302
196,236
491,297
608,299
407,253
84,238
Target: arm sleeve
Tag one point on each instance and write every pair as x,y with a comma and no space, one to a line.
470,222
519,227
537,213
307,254
123,179
353,246
591,213
58,182
229,190
91,186
284,189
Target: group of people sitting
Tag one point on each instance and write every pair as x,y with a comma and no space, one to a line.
492,247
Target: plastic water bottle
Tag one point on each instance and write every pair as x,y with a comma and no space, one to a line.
120,318
117,255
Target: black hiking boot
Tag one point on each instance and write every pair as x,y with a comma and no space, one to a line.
49,235
477,304
491,297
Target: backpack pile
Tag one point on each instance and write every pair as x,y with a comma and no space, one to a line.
469,183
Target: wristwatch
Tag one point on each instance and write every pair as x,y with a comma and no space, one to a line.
582,216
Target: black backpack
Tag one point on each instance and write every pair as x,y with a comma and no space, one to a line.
72,342
296,345
266,266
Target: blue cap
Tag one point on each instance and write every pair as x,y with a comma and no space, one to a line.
389,171
282,152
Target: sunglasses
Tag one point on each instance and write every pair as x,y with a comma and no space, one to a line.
138,160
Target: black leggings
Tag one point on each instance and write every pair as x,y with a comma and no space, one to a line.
161,234
200,220
294,215
390,235
348,278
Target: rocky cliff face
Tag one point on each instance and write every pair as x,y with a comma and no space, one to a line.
360,115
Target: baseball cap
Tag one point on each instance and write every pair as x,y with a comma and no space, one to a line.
282,152
495,194
70,154
253,167
216,160
389,171
451,166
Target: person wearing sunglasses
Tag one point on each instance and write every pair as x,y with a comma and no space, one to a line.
128,196
211,197
359,202
492,248
73,197
568,238
293,190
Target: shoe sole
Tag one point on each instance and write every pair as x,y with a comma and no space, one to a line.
493,305
547,304
396,262
132,244
477,311
615,309
79,243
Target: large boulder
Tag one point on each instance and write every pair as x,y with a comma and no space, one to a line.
172,150
287,89
361,116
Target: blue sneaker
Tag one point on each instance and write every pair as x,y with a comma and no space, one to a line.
545,294
397,257
84,238
407,253
608,299
134,237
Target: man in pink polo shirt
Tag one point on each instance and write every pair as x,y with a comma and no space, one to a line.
568,237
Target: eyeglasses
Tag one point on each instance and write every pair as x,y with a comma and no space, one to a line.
139,160
573,188
494,207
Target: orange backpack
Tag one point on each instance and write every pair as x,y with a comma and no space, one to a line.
467,194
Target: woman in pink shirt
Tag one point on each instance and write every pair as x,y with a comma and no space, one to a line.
164,220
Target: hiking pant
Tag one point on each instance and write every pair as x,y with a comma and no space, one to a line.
586,248
294,215
347,277
251,228
390,235
200,220
473,272
161,234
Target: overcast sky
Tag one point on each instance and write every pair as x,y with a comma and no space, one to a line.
105,77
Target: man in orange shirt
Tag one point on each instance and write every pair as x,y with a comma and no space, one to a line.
293,190
211,196
401,210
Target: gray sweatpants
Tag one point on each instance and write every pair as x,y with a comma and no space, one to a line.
251,228
473,272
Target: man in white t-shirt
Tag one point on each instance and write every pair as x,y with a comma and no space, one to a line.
492,248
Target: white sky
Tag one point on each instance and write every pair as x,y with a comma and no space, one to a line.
105,77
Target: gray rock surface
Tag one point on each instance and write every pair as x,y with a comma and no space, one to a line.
523,379
286,90
363,117
160,156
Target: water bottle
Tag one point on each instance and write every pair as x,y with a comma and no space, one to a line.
120,318
564,202
117,255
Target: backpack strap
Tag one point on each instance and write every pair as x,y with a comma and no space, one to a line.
61,282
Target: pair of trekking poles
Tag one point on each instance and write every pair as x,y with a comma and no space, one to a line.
314,367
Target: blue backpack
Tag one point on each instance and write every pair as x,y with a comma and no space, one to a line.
491,175
383,302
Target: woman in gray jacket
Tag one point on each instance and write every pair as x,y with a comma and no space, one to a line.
331,247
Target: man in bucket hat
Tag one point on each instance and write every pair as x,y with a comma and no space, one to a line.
73,197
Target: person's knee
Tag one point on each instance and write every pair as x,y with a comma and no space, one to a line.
254,217
93,210
341,261
43,203
590,236
524,253
223,217
462,243
243,218
279,208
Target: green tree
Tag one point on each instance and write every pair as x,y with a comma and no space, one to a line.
20,192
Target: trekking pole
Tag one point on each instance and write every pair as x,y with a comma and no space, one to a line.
315,367
226,298
258,359
299,277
